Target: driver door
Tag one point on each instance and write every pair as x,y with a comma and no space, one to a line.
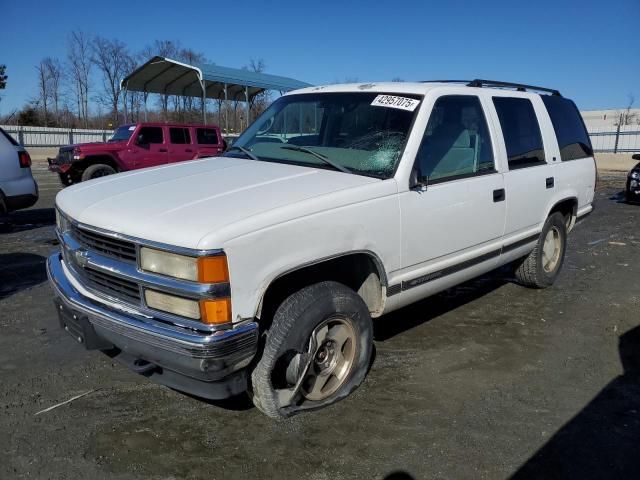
151,147
455,219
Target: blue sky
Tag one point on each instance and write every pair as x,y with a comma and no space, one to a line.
590,50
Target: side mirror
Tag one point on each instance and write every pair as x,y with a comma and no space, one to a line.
417,181
636,156
141,142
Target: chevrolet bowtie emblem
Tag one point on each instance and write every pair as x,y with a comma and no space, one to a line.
82,257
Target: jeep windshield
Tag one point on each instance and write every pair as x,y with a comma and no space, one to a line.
359,132
122,133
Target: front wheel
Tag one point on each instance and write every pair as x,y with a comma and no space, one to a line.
96,171
317,351
541,267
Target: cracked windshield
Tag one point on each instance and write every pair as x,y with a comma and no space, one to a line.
360,133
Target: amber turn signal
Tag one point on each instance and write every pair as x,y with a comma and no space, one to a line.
213,269
216,311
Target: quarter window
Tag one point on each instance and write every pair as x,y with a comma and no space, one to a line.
456,142
573,139
207,136
149,135
179,135
521,132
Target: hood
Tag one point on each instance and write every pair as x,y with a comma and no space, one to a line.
101,146
202,203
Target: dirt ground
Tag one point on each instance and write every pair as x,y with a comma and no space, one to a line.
488,380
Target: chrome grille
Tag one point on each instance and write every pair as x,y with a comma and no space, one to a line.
114,286
113,247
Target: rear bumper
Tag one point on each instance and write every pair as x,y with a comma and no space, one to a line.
18,202
208,365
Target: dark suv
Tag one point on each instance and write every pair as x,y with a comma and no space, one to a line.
134,146
632,192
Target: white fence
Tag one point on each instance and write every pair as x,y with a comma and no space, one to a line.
626,139
54,137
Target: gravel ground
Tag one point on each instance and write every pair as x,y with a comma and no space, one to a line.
488,380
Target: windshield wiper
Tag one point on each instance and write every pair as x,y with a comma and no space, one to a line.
248,153
322,157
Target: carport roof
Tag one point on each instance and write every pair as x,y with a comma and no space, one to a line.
168,76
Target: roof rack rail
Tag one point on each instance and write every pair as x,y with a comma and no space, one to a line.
445,81
518,86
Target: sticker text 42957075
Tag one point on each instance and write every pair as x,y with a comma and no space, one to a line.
393,101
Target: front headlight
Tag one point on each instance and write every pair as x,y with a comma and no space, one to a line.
62,223
197,269
635,175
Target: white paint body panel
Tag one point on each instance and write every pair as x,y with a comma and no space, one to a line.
273,218
14,180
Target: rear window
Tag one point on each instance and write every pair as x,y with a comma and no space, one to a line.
521,132
179,135
9,137
571,133
207,136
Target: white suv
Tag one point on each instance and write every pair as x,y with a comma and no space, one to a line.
18,189
263,269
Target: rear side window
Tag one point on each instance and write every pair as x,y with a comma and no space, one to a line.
207,136
149,135
179,135
8,137
521,132
571,133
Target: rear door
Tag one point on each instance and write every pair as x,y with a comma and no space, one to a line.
151,147
208,141
575,173
529,180
180,147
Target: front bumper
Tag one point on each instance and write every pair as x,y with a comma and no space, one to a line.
207,364
60,164
633,190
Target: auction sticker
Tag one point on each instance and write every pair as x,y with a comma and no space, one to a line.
403,103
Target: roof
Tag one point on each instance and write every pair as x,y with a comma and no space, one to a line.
168,124
421,88
168,76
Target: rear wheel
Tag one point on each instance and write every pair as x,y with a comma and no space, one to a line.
317,351
541,267
96,171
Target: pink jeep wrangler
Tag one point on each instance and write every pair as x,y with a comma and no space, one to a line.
136,146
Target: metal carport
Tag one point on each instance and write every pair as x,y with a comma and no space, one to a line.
171,77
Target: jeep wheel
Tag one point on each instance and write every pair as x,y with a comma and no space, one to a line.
541,267
317,351
96,171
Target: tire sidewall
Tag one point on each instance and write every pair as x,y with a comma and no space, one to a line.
323,301
90,171
557,220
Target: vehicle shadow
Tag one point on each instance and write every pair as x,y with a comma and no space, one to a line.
411,316
601,441
19,271
23,220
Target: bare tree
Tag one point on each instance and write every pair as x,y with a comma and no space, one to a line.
79,68
258,103
3,78
53,70
43,90
628,116
112,60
